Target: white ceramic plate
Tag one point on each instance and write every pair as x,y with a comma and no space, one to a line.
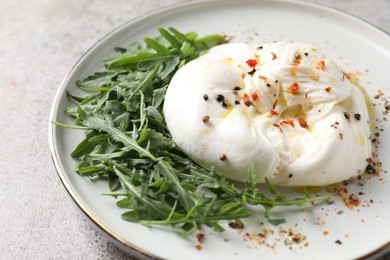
354,45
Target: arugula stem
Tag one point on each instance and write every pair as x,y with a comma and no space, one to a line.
298,201
146,81
200,219
70,126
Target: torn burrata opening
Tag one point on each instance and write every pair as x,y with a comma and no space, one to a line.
286,107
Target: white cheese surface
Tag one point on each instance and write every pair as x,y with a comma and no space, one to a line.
286,107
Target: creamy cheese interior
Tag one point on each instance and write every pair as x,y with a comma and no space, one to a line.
286,107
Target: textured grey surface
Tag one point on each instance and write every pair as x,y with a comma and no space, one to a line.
39,41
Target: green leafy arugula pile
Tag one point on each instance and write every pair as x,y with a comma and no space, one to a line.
128,143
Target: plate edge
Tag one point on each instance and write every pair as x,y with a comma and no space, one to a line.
119,241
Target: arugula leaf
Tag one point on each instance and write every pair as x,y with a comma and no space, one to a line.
86,146
139,57
156,139
159,48
107,126
170,38
272,188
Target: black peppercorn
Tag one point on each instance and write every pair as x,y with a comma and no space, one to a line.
370,169
357,116
252,72
220,98
236,224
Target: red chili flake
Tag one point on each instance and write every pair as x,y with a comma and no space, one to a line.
262,77
350,201
321,65
293,88
278,126
327,89
306,95
313,75
273,112
302,121
369,160
353,200
296,62
243,75
251,63
198,247
255,97
297,59
200,237
287,122
245,97
293,73
380,93
306,244
325,232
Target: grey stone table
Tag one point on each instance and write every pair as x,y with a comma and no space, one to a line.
39,41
